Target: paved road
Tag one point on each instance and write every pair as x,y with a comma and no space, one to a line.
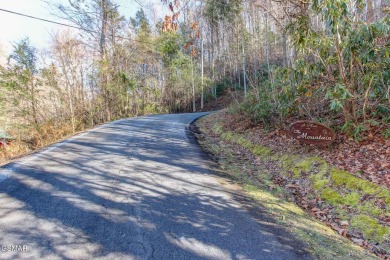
133,189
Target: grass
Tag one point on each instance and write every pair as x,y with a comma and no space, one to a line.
30,138
371,227
323,241
331,196
353,199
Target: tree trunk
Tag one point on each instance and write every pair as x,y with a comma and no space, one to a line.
202,57
33,101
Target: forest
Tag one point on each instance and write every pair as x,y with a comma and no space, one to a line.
321,60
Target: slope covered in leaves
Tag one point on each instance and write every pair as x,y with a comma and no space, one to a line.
351,204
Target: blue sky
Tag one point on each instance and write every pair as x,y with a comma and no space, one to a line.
14,27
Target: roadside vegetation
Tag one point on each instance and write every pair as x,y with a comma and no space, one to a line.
321,60
298,188
112,67
276,62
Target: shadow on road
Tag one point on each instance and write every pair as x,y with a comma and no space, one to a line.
135,189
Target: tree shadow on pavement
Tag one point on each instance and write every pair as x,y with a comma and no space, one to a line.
130,191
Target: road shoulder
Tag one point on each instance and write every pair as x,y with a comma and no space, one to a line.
263,202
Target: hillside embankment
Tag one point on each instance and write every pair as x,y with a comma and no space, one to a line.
311,189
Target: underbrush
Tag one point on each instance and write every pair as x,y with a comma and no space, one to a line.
30,138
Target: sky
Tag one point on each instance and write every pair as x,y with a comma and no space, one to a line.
14,27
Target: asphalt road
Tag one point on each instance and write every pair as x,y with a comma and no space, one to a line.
134,189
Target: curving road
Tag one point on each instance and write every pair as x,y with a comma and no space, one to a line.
138,188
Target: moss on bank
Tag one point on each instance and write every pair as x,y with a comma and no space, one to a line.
353,198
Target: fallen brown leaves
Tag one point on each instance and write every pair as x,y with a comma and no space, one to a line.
368,160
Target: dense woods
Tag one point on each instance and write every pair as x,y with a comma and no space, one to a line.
325,60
